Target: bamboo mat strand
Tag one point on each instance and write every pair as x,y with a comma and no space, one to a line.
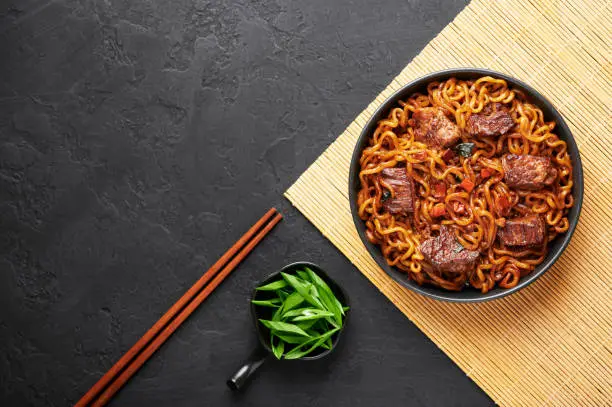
550,343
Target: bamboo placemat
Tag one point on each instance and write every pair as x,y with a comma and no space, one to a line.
549,343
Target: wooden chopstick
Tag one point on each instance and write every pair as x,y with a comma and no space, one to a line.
169,322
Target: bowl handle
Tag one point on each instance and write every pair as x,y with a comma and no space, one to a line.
242,375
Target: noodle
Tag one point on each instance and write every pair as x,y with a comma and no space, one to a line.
475,216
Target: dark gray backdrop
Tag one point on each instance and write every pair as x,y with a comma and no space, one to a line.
139,139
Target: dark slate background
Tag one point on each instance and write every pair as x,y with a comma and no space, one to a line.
139,139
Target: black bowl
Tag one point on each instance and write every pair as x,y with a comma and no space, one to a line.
263,352
556,247
258,312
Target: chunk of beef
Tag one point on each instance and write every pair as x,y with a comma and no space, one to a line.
402,201
494,120
433,128
523,232
446,254
528,171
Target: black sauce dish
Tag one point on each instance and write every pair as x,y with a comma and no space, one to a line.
556,247
264,351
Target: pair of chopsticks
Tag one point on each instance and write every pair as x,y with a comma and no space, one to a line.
134,358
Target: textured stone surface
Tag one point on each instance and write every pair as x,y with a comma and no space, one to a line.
138,140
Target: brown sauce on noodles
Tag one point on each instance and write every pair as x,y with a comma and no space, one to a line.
475,216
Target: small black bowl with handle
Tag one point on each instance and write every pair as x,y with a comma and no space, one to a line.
264,350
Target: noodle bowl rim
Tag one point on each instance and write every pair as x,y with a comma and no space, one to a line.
556,247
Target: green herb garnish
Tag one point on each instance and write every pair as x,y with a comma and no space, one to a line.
275,286
464,149
284,327
277,348
305,314
274,302
459,248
